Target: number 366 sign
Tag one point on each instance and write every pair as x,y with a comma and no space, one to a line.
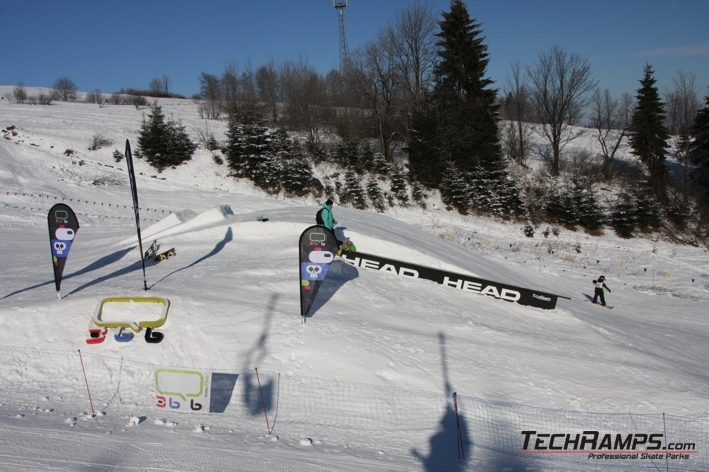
182,389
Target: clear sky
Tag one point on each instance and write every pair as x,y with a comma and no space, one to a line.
110,44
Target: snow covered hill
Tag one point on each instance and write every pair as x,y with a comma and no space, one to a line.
234,306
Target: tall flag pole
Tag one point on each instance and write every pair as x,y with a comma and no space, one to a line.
63,226
318,247
136,208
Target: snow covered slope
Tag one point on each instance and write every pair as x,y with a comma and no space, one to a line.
234,297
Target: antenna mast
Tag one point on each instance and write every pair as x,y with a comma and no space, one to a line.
340,7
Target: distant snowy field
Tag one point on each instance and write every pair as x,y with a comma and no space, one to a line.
233,291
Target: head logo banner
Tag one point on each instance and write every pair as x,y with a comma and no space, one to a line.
136,208
318,247
63,226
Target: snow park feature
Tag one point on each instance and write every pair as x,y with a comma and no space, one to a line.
364,385
129,320
501,291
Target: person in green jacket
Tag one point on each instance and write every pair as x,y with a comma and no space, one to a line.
328,219
329,222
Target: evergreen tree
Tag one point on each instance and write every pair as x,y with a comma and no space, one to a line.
347,154
699,147
163,143
375,195
648,135
424,147
352,191
649,210
418,194
624,215
297,172
587,208
398,185
249,153
678,211
454,189
463,95
559,205
378,164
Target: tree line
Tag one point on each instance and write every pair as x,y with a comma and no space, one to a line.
414,105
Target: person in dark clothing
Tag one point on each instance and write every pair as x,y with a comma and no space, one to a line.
598,292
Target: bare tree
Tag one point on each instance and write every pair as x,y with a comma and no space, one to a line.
611,119
267,86
375,79
230,88
166,85
19,93
560,84
681,105
156,87
212,96
518,111
304,98
95,97
411,44
65,89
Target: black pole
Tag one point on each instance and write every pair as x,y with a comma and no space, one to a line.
136,208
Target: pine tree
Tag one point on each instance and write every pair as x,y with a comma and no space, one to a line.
559,205
374,193
297,176
163,143
418,194
624,215
249,153
588,210
463,95
352,191
398,184
699,148
649,210
454,189
424,147
648,135
152,138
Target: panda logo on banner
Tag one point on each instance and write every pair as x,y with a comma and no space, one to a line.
318,247
63,226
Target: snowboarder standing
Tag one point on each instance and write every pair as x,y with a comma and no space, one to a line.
598,292
328,219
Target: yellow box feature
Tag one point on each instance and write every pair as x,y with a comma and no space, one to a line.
135,326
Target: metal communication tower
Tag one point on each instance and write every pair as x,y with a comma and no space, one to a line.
340,6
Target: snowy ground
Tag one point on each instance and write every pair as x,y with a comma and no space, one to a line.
235,307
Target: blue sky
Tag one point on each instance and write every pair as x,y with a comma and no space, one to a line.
110,44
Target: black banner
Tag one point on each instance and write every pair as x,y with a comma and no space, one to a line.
63,226
318,247
136,208
468,283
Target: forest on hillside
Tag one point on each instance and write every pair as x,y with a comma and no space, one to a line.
412,111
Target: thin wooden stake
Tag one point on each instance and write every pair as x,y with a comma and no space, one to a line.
263,402
87,384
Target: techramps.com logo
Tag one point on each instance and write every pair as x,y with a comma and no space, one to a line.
597,445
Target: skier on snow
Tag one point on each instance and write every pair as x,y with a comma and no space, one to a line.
598,292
